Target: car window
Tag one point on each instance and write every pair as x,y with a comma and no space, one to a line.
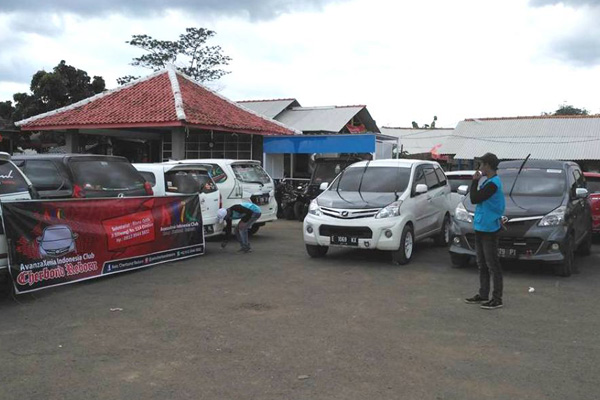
149,177
106,175
217,174
441,176
45,176
593,184
457,181
326,172
179,181
430,178
579,179
373,179
420,177
250,173
11,180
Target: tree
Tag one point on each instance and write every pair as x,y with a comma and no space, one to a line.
189,54
51,90
567,109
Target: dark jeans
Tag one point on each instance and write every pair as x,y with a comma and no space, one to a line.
241,232
486,245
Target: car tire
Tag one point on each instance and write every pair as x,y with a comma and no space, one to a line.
459,260
585,248
253,230
404,254
443,239
300,211
316,251
565,268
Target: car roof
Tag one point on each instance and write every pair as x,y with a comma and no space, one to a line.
457,173
165,167
535,164
225,161
63,156
402,162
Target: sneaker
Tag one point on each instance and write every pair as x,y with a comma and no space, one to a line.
492,304
477,299
247,250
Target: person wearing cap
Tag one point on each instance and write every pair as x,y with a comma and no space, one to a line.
248,214
487,222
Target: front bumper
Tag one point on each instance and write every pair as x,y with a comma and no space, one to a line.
525,241
371,233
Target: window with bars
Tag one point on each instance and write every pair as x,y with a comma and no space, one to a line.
218,145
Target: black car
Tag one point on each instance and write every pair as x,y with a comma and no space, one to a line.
57,176
549,217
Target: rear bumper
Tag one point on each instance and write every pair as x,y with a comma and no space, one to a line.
535,244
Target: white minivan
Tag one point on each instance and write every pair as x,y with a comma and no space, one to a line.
173,179
14,186
383,205
242,181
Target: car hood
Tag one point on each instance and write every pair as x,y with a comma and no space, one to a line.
525,206
355,200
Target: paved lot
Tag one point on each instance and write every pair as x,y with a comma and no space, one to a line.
232,326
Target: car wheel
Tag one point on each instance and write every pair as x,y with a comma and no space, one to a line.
300,211
459,260
585,248
316,251
565,269
404,254
443,239
254,229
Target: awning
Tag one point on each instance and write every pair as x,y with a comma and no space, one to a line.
309,144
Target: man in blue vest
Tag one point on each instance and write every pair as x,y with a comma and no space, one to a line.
487,222
248,214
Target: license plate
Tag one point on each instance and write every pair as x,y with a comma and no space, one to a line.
260,200
507,253
344,240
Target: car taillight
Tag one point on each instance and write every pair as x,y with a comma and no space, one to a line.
78,192
148,187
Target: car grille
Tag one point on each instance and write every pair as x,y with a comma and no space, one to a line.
524,245
362,232
349,214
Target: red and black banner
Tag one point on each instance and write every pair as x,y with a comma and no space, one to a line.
53,243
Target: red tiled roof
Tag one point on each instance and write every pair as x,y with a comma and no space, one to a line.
165,98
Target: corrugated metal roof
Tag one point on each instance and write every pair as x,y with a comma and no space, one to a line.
418,141
269,108
326,119
546,138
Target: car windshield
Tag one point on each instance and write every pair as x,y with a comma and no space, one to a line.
11,179
593,184
534,182
326,172
250,173
457,181
189,181
374,179
106,175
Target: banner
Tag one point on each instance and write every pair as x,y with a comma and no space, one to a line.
53,243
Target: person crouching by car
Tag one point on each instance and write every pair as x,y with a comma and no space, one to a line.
487,222
248,214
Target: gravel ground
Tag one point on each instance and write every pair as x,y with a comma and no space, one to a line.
276,324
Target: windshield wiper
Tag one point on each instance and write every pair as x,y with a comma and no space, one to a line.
361,181
515,181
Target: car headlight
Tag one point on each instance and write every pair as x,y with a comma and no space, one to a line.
461,214
391,210
314,208
554,218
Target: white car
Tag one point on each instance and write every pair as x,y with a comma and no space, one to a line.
175,179
14,186
382,204
458,179
242,181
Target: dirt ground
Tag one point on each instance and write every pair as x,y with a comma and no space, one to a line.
276,324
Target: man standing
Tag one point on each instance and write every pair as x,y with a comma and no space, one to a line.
248,214
487,223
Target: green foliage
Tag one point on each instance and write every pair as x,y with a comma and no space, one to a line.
567,109
189,54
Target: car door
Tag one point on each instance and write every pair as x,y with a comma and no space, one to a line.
581,212
436,196
423,208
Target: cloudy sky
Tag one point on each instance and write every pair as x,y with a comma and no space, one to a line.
406,60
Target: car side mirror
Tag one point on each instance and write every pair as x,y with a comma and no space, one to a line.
420,189
463,190
323,186
581,193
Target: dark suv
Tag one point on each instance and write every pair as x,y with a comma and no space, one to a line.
549,217
82,175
